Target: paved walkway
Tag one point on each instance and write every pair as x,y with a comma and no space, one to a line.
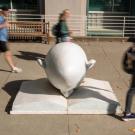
108,67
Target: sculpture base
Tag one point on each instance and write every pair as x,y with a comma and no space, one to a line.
40,97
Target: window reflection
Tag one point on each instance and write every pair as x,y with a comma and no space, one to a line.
25,4
109,5
4,3
20,4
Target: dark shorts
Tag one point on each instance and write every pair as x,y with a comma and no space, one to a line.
3,46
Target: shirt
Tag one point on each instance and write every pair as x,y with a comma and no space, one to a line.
64,32
3,31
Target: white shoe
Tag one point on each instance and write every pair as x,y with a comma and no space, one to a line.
40,62
16,70
91,63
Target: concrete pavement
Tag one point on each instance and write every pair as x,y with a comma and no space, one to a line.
108,67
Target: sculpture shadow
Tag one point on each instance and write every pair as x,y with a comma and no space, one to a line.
12,89
30,55
86,92
40,86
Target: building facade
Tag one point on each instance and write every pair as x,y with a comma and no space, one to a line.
78,7
88,16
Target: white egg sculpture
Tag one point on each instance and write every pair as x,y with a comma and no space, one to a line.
66,65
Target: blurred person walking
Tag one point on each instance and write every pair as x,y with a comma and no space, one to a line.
4,40
62,32
129,67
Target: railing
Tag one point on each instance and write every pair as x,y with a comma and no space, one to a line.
122,26
107,26
26,17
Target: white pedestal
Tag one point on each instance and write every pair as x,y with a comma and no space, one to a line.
40,97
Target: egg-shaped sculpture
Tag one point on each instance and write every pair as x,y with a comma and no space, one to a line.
66,65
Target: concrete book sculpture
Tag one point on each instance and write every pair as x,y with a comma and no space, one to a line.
40,97
66,65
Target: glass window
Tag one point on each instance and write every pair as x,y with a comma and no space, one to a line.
25,4
121,5
133,7
109,5
20,4
4,3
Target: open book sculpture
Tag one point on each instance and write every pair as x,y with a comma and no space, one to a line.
66,65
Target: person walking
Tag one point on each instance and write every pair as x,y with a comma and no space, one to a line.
129,65
4,40
63,32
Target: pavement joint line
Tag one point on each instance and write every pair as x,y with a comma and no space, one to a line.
68,124
109,60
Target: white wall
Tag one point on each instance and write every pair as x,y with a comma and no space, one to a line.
78,12
54,7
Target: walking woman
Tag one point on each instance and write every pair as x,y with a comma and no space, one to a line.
63,34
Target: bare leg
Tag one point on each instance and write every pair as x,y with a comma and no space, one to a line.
8,57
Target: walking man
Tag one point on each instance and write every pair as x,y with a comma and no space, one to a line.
4,40
130,62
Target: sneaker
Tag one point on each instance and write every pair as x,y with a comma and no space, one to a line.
128,117
16,70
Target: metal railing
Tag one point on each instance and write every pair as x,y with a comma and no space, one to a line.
122,26
26,17
107,26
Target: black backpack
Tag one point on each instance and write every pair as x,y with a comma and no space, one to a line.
55,29
128,63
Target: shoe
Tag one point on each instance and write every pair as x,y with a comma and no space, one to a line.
128,117
90,63
40,62
16,70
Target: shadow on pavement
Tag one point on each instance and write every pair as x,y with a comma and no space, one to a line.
116,117
3,70
12,88
30,55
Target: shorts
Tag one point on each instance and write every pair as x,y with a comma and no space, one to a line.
3,46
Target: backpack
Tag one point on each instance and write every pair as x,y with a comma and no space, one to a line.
55,29
128,63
